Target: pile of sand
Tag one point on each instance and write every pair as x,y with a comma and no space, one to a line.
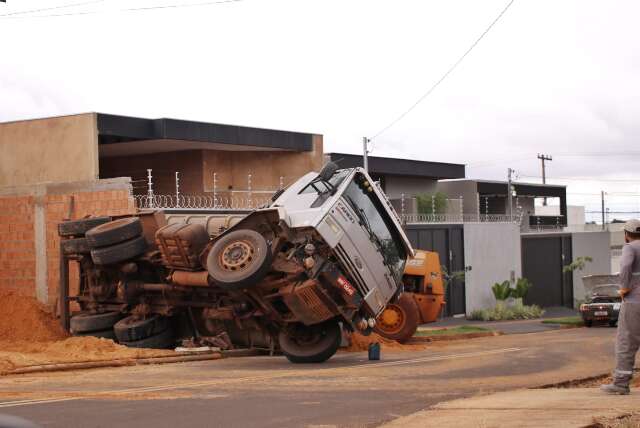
30,335
361,343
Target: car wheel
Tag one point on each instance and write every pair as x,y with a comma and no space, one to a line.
164,340
399,320
80,227
88,322
310,344
239,259
131,329
114,232
119,252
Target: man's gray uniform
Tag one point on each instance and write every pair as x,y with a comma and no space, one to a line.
628,339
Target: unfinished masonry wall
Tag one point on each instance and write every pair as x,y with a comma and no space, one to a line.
29,242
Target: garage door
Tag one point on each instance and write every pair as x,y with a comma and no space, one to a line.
543,258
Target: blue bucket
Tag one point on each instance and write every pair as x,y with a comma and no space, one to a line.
374,351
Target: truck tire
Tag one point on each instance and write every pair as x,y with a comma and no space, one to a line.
399,321
104,334
311,344
88,322
164,340
132,329
80,227
239,259
114,232
75,246
119,252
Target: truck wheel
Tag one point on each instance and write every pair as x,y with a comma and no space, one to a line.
119,252
114,232
80,227
239,259
105,334
75,246
310,344
164,340
87,322
399,321
131,329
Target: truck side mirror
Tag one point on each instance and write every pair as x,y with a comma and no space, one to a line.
327,171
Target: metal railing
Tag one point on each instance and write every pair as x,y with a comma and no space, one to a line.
461,218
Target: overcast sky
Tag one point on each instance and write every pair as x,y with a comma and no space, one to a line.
553,76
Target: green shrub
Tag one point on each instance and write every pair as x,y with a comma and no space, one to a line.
502,312
501,291
435,203
522,288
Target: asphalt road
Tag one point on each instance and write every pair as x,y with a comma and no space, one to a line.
348,390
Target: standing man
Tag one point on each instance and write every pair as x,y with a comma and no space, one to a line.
628,338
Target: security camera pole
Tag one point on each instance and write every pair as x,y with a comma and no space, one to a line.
509,194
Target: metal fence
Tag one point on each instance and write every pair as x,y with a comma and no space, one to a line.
201,202
460,218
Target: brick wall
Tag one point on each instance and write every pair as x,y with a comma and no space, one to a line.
17,245
29,242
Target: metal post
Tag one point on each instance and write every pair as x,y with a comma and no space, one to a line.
215,190
509,195
433,205
249,196
461,209
281,184
602,201
402,206
365,153
177,190
150,188
544,158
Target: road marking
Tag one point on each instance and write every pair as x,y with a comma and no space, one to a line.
275,375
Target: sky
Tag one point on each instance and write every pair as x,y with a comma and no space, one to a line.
558,77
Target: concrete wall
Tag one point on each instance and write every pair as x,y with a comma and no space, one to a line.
492,250
596,246
29,242
164,165
467,189
58,149
395,186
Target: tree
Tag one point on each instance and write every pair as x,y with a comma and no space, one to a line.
432,203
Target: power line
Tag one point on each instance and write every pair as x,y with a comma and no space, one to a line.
131,9
446,74
45,9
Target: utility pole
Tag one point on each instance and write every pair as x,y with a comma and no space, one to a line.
509,194
365,153
602,200
544,158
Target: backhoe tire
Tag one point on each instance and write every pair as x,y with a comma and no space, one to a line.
104,334
88,322
164,340
132,329
75,246
114,232
310,344
119,252
239,259
399,321
80,227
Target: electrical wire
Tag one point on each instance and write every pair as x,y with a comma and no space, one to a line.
46,9
131,9
446,74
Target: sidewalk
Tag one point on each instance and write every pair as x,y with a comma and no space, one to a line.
524,408
509,327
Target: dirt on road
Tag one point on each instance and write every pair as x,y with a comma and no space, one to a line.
30,335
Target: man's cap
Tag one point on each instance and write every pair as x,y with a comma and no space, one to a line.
632,226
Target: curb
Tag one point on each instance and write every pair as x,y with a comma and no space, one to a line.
452,337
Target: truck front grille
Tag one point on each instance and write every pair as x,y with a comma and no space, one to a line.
351,269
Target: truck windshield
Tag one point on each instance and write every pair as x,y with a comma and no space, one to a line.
375,220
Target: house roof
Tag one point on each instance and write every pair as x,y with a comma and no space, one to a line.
401,167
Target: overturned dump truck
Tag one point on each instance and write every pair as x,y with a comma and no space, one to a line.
327,253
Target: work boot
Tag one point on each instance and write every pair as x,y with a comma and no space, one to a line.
615,389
